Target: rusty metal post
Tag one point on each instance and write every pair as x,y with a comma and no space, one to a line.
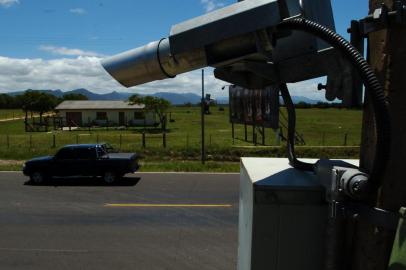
387,56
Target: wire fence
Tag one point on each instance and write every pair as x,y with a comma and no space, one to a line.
131,142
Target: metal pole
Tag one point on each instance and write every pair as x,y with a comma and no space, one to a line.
345,139
233,132
202,122
387,57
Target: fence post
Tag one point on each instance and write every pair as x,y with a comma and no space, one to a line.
278,137
245,132
164,139
53,141
345,139
143,139
323,139
187,142
233,132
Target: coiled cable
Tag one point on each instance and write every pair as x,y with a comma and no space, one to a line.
372,86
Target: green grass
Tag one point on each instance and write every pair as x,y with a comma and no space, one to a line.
11,113
10,167
159,166
191,166
325,127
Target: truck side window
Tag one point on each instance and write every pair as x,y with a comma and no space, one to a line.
66,153
86,153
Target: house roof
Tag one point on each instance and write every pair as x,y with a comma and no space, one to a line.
97,105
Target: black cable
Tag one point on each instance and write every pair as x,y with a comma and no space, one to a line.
372,85
290,107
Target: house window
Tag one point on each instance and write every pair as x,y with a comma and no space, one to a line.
139,115
101,116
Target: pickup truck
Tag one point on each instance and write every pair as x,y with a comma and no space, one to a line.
82,160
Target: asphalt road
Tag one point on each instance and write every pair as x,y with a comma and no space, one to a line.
148,221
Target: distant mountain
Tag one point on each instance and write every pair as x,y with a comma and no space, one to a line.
297,99
174,98
58,93
179,99
93,96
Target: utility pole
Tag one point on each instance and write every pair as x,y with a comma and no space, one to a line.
387,56
202,119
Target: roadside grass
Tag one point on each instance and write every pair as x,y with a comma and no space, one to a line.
320,127
159,166
190,166
226,160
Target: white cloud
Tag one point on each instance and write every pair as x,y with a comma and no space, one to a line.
87,72
210,5
8,3
68,51
78,11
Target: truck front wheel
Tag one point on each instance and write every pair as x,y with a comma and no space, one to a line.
37,178
109,177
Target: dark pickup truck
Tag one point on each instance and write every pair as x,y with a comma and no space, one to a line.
82,160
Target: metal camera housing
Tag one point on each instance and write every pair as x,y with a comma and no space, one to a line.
232,40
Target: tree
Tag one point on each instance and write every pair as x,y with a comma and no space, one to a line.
44,103
153,104
35,101
27,101
7,102
74,96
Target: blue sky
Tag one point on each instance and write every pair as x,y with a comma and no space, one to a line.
52,44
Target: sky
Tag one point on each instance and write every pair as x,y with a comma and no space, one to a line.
48,44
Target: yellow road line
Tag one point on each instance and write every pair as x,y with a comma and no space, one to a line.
167,205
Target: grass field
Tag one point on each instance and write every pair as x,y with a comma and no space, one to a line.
320,127
11,114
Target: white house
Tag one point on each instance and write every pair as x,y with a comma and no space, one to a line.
89,112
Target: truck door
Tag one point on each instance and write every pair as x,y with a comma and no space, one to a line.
64,162
86,161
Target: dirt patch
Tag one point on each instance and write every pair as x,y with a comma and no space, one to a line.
11,162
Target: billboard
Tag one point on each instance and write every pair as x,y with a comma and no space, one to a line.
256,107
